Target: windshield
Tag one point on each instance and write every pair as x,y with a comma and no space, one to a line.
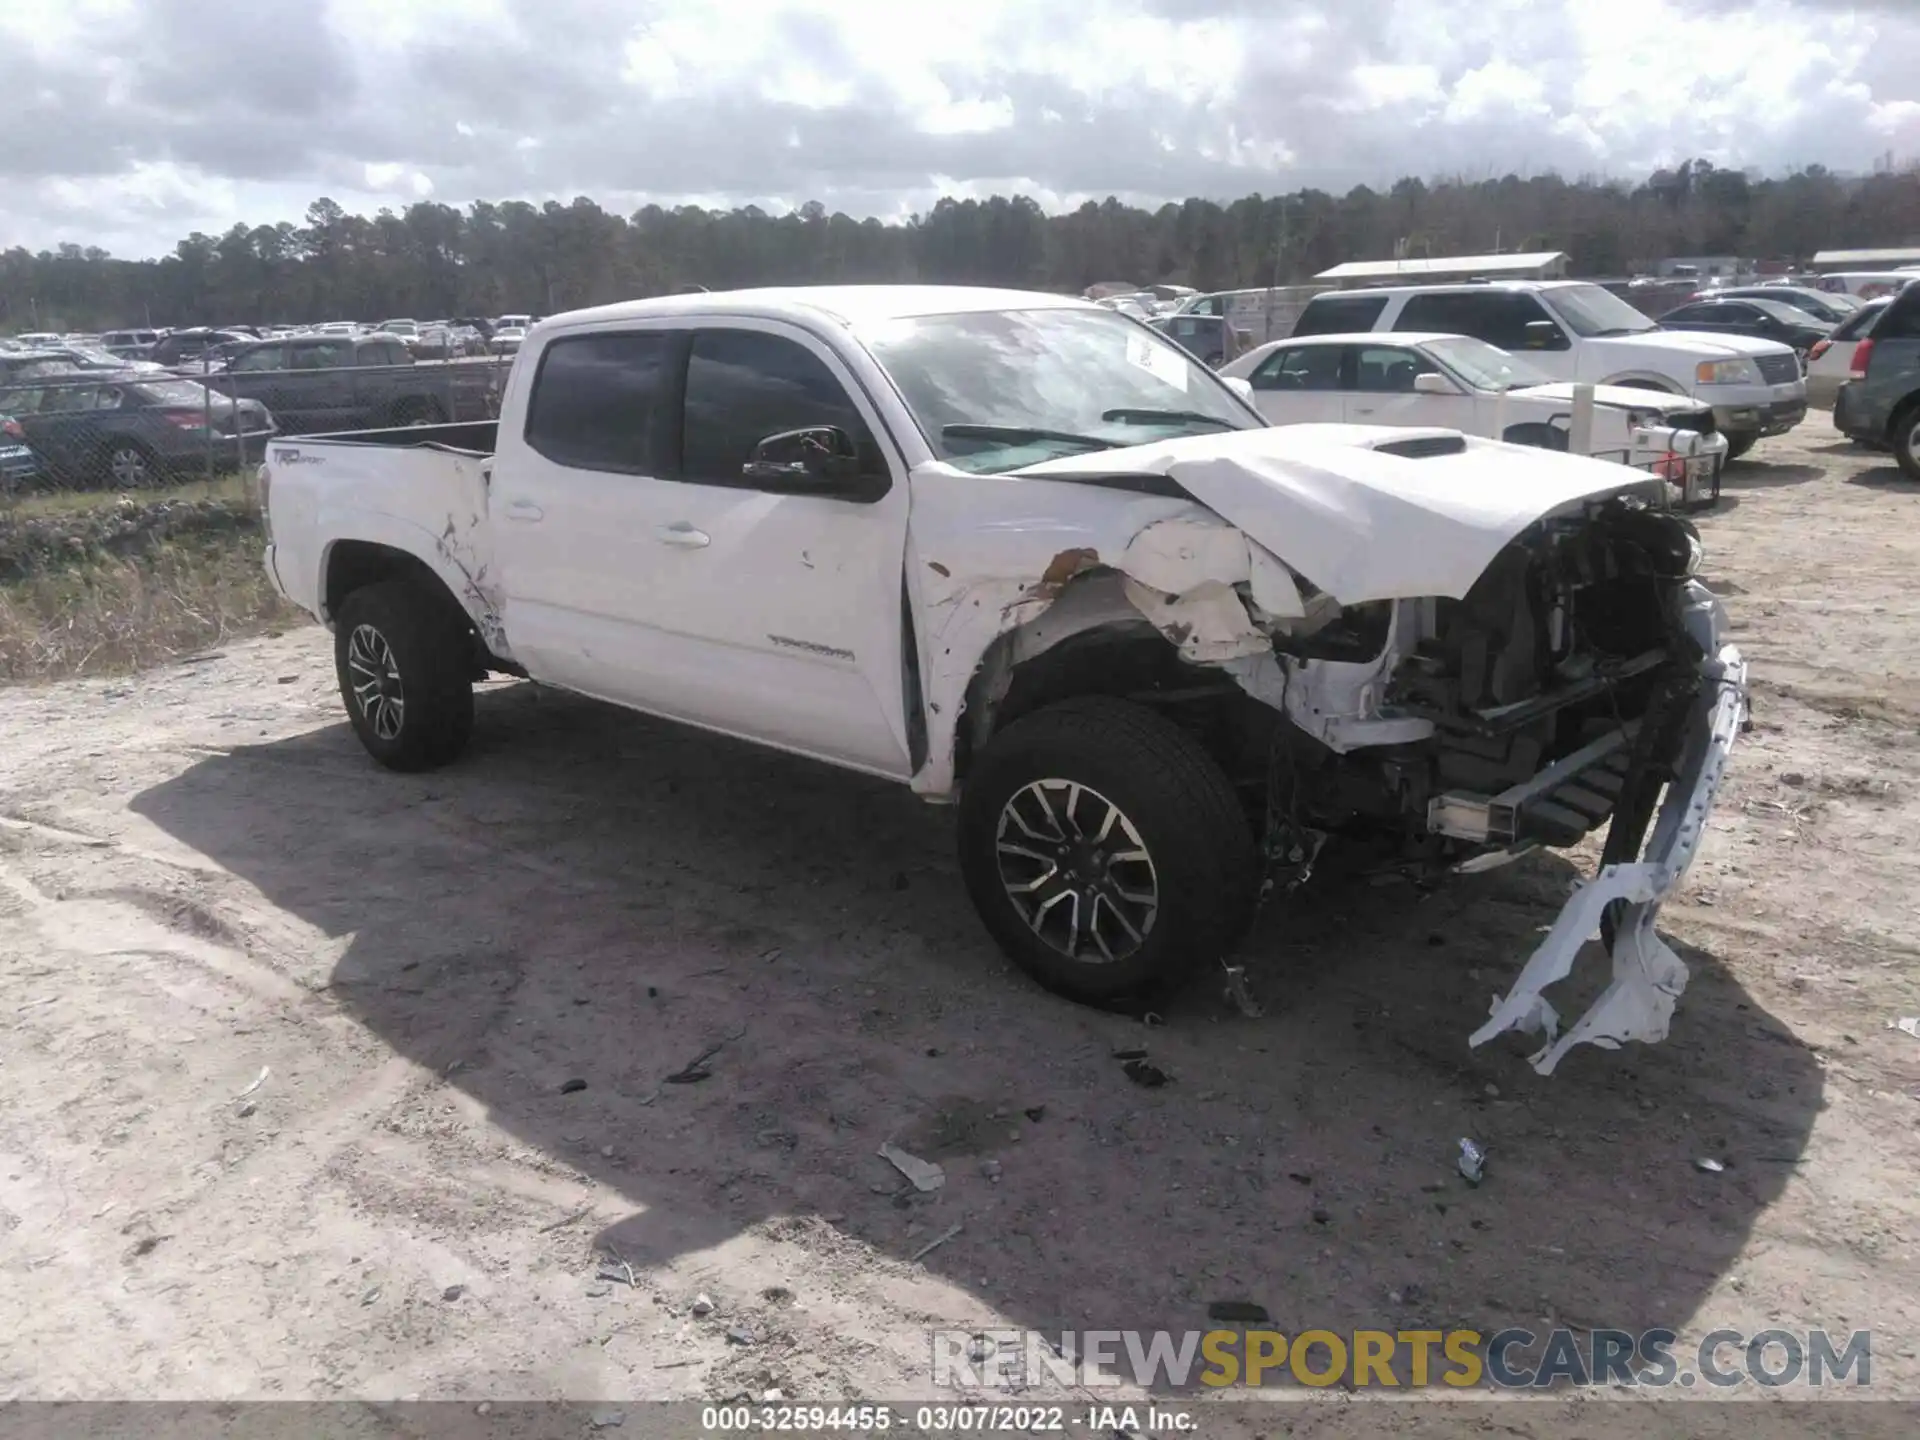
1484,366
93,359
1590,311
1788,314
177,392
1049,382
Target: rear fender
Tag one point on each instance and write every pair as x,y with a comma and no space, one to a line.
449,556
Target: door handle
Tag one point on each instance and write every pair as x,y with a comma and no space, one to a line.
525,510
1363,409
684,535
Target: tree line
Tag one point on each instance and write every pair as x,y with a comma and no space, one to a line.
499,258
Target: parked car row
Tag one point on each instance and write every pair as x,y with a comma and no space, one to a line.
123,429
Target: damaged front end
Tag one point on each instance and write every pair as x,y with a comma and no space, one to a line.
1584,674
1440,652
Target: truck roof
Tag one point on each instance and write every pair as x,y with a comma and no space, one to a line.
847,304
1462,286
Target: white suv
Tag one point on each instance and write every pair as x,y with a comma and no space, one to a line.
1574,330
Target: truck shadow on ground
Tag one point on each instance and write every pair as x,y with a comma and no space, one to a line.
1883,477
595,897
1765,475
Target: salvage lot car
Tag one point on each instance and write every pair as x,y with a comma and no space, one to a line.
1576,330
1017,552
1466,384
134,429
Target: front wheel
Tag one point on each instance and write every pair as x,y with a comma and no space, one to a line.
1106,851
1740,445
405,667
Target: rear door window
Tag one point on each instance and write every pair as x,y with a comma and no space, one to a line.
1901,319
595,399
1340,314
1387,370
1303,367
745,385
1859,324
267,357
323,355
1499,317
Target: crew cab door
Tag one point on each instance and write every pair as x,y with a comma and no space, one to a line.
644,560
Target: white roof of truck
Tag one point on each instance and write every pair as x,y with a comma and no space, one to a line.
1446,265
848,304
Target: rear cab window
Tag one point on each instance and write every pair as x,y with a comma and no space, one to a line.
596,398
1340,314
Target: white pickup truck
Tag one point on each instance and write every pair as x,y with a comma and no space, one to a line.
1018,552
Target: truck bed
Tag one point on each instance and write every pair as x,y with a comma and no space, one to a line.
468,437
418,490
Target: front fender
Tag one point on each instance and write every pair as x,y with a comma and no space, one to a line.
973,582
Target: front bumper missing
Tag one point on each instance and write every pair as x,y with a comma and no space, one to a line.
1648,977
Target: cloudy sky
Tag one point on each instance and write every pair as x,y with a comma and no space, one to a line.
128,123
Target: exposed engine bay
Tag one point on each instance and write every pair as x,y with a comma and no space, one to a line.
1434,652
1512,716
1575,682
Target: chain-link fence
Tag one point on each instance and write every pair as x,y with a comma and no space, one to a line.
104,428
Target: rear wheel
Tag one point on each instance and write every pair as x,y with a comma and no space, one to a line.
1106,851
405,668
1906,441
129,465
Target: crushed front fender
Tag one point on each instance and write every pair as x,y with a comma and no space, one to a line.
1648,977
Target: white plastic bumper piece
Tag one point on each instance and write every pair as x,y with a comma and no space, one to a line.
1648,977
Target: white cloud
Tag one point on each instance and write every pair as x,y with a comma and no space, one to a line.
131,121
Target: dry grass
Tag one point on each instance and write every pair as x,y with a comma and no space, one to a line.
232,489
110,595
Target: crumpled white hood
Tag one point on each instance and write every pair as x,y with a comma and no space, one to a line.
1360,524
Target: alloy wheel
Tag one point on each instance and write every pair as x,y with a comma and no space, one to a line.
376,682
1077,871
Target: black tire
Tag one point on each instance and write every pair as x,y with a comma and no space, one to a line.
1740,445
1542,437
422,649
1905,437
1203,861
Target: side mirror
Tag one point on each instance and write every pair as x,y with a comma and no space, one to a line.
1432,382
1544,335
1242,388
816,457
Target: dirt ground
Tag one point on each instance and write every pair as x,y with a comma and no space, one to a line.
286,1045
